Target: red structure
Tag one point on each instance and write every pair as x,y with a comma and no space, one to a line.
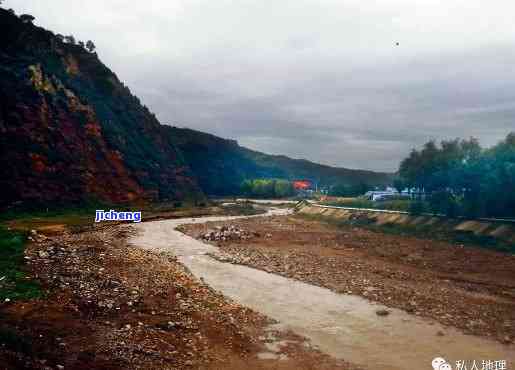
302,184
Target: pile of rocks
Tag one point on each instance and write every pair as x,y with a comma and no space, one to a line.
34,236
224,233
69,263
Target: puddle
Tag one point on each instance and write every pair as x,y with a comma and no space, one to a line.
343,326
271,356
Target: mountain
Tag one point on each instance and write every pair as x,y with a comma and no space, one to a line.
72,132
209,156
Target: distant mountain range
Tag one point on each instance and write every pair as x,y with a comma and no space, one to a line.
210,156
72,132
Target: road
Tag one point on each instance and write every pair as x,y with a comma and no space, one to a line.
341,325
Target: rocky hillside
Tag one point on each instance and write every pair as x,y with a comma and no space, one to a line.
72,132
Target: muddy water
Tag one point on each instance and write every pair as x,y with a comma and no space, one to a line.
344,326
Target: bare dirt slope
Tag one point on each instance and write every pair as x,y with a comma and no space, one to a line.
468,288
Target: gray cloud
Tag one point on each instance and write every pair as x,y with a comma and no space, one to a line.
317,79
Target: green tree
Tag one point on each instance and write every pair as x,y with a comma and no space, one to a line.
27,18
283,189
461,178
399,184
90,46
267,188
340,190
70,39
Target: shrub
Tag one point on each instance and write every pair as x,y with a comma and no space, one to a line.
445,202
417,207
14,284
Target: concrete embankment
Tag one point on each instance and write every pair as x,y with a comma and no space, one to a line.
494,229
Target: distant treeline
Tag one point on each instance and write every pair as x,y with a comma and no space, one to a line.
460,178
267,188
343,190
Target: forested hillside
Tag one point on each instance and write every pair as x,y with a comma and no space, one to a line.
221,165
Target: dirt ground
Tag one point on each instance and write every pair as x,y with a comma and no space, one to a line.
110,306
472,289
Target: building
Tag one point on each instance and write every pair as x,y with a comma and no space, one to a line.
392,193
303,185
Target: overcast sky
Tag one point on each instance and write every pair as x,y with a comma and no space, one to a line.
321,79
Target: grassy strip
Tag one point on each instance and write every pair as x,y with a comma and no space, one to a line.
468,239
26,220
15,283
